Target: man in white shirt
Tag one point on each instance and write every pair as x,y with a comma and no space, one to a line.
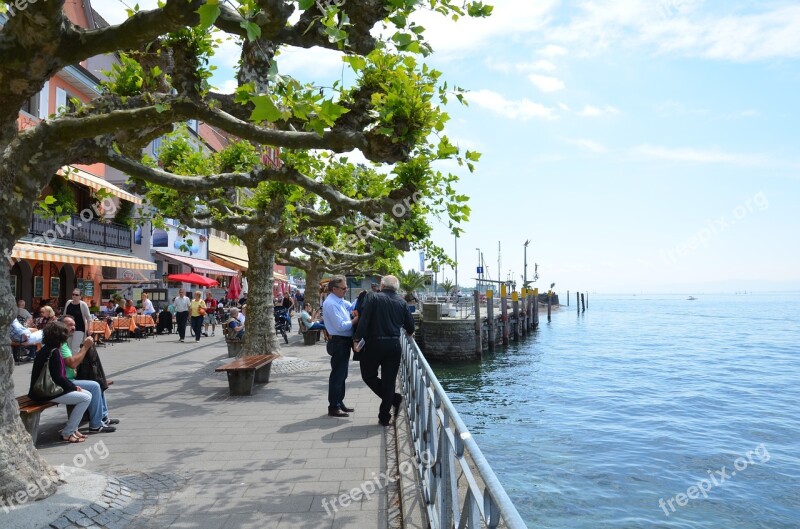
181,305
340,326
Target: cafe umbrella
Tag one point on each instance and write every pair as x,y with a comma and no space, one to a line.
194,279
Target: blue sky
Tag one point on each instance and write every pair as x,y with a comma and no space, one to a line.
641,145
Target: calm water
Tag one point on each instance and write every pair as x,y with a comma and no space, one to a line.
597,417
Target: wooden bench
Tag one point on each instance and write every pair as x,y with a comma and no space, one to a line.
246,371
29,412
310,337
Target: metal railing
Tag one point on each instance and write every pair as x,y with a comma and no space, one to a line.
77,229
459,488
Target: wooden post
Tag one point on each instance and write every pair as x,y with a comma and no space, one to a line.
504,312
535,308
515,310
549,297
578,301
567,298
490,318
530,310
582,304
476,296
521,323
587,300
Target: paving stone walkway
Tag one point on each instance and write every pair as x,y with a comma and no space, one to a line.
188,455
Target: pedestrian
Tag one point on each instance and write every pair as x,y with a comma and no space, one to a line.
181,305
339,324
79,310
382,318
198,313
211,314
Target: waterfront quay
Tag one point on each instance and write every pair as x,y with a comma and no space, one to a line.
188,455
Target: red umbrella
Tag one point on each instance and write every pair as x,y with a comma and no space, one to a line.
194,279
234,290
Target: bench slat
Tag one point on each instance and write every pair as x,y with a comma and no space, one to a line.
27,405
247,363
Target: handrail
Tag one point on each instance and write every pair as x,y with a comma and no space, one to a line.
445,449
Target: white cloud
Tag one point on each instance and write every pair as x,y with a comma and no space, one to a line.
587,144
546,83
543,65
523,109
509,19
684,27
698,156
552,50
563,107
590,111
523,67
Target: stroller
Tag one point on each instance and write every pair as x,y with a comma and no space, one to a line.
283,323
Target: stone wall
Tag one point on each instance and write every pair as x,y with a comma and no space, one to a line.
454,340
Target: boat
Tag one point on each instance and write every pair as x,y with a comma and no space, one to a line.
691,298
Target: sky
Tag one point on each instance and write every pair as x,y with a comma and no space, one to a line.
640,145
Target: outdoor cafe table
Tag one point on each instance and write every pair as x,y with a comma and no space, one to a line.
100,328
145,321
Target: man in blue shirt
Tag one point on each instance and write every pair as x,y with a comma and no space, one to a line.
340,325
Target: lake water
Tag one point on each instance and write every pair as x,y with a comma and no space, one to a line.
619,416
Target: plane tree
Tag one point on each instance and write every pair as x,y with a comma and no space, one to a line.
389,113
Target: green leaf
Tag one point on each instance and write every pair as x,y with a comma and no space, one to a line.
356,62
253,29
305,4
208,13
265,109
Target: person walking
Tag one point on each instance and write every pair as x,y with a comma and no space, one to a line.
198,313
383,316
339,324
211,314
49,357
79,310
181,305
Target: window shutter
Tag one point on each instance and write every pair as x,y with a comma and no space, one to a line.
44,101
61,100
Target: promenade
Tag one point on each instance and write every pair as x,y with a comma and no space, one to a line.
187,455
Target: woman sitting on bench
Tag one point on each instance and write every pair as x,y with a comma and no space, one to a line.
235,326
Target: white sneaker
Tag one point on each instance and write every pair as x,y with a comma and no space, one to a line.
212,333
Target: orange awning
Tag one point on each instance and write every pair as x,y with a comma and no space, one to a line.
58,254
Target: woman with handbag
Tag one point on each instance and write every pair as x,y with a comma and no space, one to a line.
197,308
49,381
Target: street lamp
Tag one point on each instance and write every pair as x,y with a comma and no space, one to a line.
455,268
525,267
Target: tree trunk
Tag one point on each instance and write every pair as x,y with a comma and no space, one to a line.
312,283
24,474
259,335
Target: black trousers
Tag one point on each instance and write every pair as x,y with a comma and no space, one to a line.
384,354
182,318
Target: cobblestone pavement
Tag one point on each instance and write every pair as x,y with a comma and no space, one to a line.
188,455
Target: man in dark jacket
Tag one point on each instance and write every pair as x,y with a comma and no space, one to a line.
382,319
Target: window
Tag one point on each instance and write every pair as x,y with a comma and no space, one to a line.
156,145
31,106
193,124
64,101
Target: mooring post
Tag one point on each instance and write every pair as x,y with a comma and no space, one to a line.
490,318
521,323
567,298
549,297
535,308
587,300
583,306
504,312
515,311
578,300
478,345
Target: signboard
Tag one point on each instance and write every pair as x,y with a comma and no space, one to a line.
38,286
480,269
88,288
55,286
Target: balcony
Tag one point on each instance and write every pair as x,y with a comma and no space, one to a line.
78,230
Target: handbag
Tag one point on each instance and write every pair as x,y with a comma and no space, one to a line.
45,387
202,311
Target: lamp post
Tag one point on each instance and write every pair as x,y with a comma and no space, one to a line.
455,268
525,266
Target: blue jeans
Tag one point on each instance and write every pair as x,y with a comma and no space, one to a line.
197,327
316,326
97,408
339,350
81,401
